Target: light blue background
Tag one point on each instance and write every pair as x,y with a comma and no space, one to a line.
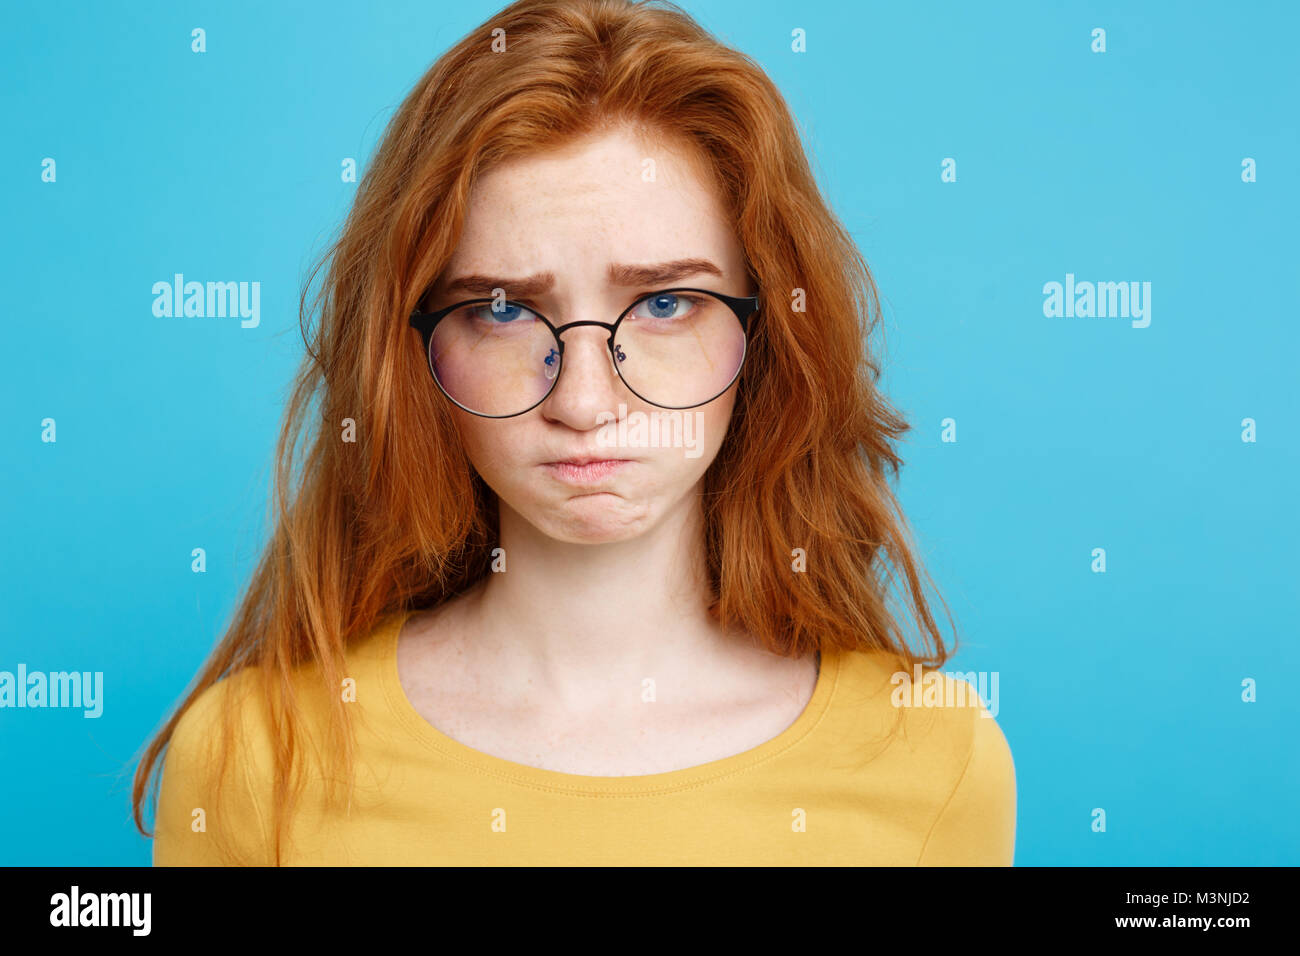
1118,690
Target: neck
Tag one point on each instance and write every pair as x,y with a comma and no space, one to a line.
582,622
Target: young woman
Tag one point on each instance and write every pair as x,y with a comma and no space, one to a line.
588,560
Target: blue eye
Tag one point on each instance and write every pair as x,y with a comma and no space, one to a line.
507,312
665,305
662,306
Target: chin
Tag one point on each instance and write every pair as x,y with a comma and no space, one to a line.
593,519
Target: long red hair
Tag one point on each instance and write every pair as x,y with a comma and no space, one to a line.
365,528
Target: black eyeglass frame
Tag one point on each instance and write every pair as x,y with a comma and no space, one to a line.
743,307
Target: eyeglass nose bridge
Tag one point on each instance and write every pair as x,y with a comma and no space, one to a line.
610,327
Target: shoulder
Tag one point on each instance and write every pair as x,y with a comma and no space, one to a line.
243,696
207,813
935,729
977,824
215,801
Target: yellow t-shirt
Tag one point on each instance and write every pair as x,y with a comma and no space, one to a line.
846,784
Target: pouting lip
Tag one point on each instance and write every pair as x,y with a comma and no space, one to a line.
579,462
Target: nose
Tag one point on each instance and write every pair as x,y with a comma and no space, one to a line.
588,382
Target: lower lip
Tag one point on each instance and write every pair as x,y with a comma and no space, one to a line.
585,474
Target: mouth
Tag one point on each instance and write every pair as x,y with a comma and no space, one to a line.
583,471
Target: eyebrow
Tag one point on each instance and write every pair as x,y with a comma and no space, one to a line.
659,273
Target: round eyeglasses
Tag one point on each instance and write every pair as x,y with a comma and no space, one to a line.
676,348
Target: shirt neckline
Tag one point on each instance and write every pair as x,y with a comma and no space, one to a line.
582,784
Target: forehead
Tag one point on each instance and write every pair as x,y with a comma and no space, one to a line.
614,196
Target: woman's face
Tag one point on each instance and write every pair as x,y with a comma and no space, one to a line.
581,216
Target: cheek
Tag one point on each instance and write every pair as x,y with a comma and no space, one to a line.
715,421
487,444
702,434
